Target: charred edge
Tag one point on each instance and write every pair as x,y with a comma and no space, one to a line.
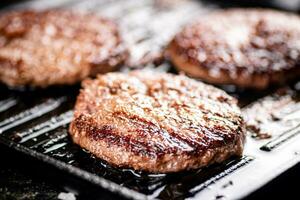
280,139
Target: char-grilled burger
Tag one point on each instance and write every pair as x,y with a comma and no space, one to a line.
156,122
249,48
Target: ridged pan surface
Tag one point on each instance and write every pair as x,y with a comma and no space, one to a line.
35,121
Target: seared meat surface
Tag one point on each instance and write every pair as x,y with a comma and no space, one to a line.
250,48
156,122
56,47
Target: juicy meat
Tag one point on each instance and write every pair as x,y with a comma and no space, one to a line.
56,47
156,122
250,48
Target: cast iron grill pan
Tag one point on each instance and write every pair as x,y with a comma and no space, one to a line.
35,121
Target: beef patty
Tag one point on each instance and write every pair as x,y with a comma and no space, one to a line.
250,48
156,122
56,47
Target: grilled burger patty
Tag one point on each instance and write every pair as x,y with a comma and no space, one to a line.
56,47
156,122
250,48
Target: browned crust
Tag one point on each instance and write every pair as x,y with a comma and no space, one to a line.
256,80
166,163
182,49
108,124
56,47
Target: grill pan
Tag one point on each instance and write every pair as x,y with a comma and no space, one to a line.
35,122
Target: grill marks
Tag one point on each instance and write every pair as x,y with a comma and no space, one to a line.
166,143
112,136
141,129
156,116
171,190
191,139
